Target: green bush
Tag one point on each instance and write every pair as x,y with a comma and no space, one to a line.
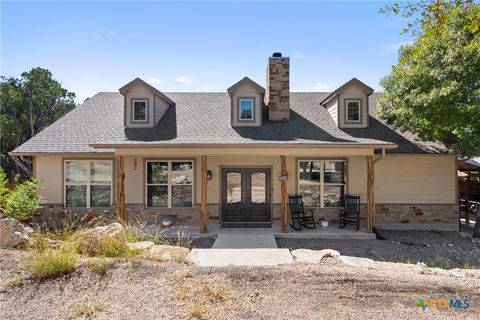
22,201
53,263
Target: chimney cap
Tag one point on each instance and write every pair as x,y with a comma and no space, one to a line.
277,55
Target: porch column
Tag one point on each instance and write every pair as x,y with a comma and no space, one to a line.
283,186
467,200
370,194
120,170
204,209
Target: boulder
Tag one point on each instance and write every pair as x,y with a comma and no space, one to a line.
13,233
313,256
357,262
168,253
94,239
142,245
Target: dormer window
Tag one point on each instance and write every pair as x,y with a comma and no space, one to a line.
139,109
352,110
246,108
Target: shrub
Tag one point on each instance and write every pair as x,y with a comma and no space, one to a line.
98,266
53,263
110,247
22,201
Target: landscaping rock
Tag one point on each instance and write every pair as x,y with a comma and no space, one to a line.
94,239
13,233
168,253
357,262
313,256
455,273
142,245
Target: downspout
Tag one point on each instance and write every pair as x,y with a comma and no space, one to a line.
381,157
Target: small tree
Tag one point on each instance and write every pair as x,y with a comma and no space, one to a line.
22,201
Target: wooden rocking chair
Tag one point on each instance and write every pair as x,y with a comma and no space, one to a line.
299,216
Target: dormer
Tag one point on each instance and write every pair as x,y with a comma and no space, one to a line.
144,105
348,105
246,97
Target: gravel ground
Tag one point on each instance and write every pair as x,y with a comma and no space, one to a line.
442,249
141,289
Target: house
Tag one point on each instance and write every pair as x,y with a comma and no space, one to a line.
224,158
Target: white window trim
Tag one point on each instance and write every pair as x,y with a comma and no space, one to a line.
169,184
240,108
87,183
133,110
322,179
359,111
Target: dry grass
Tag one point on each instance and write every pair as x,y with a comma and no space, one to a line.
52,263
87,308
98,267
197,310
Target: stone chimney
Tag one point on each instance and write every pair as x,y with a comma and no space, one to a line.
277,94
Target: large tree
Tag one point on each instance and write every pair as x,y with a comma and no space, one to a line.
27,105
434,90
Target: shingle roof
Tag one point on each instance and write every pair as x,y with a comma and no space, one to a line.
204,118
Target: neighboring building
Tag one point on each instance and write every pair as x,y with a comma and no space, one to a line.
160,138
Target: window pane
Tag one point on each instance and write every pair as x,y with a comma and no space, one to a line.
181,196
353,110
333,196
157,196
100,196
76,196
309,172
182,172
310,195
334,172
234,187
75,172
157,172
101,172
246,109
139,110
258,186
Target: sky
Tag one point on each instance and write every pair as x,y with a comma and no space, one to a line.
198,46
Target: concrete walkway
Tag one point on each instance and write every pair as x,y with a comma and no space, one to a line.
239,257
245,238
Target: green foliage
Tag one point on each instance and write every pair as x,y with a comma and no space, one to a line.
110,247
434,90
53,263
98,266
22,201
3,183
28,105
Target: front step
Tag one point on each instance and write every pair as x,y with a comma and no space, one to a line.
239,257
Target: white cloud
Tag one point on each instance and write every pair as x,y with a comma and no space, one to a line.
112,32
206,88
298,55
98,35
321,87
395,46
155,81
184,79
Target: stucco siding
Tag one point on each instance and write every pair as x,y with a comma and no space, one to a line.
139,92
49,171
353,92
247,91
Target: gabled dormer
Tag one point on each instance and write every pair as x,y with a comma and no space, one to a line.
348,105
246,97
144,105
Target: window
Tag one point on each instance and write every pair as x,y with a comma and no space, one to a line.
322,182
352,110
246,109
139,110
88,183
169,184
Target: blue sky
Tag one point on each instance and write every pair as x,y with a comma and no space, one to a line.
199,46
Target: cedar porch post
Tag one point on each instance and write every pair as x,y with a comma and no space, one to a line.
204,209
283,186
370,194
120,170
467,200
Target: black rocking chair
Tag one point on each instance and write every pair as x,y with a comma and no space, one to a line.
299,216
350,214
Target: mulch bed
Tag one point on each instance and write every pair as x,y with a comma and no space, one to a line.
435,248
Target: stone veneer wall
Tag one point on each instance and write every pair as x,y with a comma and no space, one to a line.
277,93
416,213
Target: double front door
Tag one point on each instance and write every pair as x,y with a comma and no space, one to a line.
246,197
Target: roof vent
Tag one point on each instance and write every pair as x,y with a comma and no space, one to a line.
277,55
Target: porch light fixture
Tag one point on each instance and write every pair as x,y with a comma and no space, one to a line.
209,175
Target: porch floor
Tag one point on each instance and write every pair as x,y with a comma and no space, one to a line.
263,234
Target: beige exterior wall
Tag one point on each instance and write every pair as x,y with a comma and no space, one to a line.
353,92
332,107
161,107
49,170
139,92
247,91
